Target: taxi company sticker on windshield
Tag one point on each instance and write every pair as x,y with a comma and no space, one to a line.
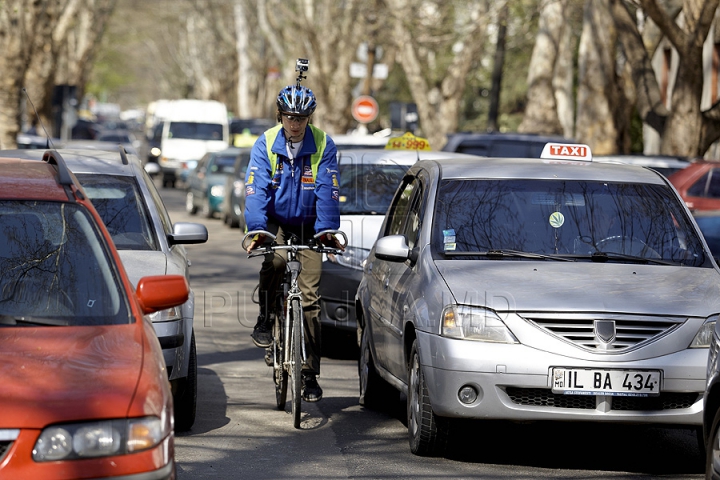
557,219
449,239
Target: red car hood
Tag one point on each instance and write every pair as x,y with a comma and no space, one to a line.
61,374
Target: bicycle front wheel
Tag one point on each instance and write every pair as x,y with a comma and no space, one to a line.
296,358
280,374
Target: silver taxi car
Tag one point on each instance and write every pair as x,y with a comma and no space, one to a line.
149,244
537,289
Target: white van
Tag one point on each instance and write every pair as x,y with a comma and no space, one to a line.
190,129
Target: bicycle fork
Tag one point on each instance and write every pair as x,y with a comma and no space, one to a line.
294,267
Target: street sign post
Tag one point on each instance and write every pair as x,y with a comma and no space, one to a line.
365,109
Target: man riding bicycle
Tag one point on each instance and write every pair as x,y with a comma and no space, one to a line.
291,187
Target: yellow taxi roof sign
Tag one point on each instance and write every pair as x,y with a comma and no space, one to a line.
566,151
408,142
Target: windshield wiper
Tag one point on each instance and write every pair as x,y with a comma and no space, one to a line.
498,254
602,257
20,320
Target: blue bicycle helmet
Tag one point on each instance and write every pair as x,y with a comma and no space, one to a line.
296,99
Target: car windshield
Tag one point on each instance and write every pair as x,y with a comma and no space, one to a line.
591,220
119,203
223,164
55,268
368,189
196,131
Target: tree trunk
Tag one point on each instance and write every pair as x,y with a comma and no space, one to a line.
541,115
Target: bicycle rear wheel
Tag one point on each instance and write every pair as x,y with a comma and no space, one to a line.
280,374
296,358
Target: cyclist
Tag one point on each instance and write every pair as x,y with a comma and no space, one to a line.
291,186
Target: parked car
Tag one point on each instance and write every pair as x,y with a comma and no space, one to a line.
497,144
368,180
665,164
84,392
348,142
149,244
232,207
206,183
536,289
699,185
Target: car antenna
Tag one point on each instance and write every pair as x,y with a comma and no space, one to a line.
47,135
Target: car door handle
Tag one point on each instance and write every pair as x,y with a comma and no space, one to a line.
386,283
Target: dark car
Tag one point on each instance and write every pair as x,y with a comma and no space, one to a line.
709,223
496,144
232,207
206,183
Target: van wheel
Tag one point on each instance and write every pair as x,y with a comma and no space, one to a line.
190,203
427,433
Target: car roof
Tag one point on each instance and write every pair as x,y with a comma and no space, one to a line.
379,156
359,140
660,161
23,179
535,168
87,160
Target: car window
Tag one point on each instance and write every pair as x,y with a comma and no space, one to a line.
564,217
697,189
368,189
241,164
196,131
713,190
159,205
223,164
55,265
404,216
119,202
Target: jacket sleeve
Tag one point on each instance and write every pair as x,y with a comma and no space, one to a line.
327,190
257,187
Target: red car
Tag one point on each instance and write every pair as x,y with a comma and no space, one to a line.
699,185
84,389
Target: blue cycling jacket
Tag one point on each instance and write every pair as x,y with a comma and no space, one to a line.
290,194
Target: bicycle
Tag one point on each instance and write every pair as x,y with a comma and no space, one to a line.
288,347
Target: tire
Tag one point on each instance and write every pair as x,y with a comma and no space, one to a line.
296,350
374,391
280,375
713,448
206,210
427,432
185,399
190,203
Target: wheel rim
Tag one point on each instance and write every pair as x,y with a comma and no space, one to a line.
715,451
414,394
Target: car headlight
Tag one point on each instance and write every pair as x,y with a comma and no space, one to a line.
217,190
475,323
99,439
352,257
238,188
155,152
705,334
168,315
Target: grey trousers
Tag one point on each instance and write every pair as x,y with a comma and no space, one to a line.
271,275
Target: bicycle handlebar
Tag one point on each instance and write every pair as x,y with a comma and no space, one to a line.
315,244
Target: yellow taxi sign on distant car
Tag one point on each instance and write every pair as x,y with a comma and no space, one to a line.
569,152
408,142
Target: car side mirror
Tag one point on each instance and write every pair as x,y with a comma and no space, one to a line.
152,168
392,248
185,233
160,292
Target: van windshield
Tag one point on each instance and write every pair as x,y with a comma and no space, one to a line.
196,131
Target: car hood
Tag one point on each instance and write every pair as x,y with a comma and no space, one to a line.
575,287
141,263
63,374
184,149
361,230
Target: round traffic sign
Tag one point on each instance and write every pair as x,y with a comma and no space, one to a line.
365,109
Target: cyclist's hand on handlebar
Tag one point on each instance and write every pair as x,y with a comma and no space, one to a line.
257,241
331,241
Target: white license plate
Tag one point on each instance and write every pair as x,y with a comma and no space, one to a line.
620,383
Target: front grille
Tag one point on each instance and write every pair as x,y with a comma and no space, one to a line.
544,397
631,331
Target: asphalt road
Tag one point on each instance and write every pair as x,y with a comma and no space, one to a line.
239,433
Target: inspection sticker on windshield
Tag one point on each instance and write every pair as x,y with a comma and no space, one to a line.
616,383
556,219
449,239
